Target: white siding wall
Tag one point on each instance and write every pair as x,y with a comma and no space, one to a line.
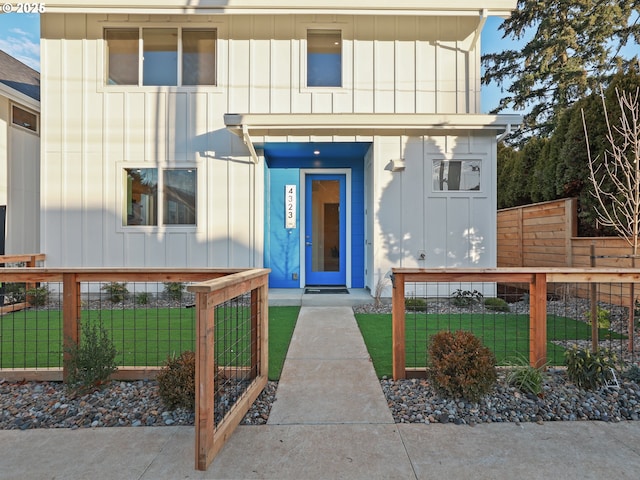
19,183
91,132
453,229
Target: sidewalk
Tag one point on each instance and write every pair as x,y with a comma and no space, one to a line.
330,420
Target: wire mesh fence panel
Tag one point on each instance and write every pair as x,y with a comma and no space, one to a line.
572,311
234,351
147,322
31,327
495,313
499,314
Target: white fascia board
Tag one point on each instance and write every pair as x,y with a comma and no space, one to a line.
19,97
335,124
501,8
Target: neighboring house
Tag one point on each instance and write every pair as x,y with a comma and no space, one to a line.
328,141
19,157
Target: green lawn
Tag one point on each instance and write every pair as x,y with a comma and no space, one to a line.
507,335
143,337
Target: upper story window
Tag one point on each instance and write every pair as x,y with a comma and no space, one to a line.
24,118
456,175
160,56
324,58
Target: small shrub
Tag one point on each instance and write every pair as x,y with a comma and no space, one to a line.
92,361
603,317
415,304
142,298
38,296
496,304
590,370
177,381
524,377
460,366
465,298
174,290
117,292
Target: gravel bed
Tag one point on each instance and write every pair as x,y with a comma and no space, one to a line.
28,405
416,401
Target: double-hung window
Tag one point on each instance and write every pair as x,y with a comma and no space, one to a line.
160,56
324,58
152,193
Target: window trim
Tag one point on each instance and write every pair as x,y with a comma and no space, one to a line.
160,227
481,192
13,105
103,65
346,57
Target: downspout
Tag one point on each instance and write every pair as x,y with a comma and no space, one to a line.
506,132
247,141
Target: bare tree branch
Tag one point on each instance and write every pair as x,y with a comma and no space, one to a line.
619,204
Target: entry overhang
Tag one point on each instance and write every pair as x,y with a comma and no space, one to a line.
248,126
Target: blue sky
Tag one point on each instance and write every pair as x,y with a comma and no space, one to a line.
20,38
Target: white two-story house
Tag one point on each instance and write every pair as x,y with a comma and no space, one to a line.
328,141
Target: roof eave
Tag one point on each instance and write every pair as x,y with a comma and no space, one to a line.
365,124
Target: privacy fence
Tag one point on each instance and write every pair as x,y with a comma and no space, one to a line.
530,313
150,315
545,235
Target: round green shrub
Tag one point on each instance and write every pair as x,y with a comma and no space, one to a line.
460,366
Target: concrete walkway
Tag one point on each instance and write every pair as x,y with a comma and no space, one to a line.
330,421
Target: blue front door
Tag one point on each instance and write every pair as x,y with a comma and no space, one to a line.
325,229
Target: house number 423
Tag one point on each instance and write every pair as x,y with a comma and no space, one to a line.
290,206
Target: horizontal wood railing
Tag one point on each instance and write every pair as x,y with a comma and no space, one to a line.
537,280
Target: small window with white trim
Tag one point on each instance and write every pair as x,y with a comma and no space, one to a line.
456,175
24,118
324,58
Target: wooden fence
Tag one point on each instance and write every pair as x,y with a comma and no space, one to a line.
545,235
71,281
538,235
236,292
210,437
537,280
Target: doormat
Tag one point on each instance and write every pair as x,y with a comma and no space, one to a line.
325,290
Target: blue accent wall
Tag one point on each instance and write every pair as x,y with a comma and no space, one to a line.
282,251
282,246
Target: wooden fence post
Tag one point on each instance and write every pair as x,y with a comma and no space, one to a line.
70,318
538,320
205,380
398,327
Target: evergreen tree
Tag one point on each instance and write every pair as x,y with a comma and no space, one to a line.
571,47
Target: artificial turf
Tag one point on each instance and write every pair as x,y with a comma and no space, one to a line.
507,335
142,337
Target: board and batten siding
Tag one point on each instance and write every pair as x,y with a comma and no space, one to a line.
452,229
92,131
